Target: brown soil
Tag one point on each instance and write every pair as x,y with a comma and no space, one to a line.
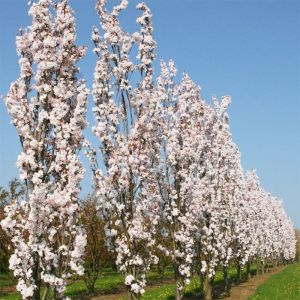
248,288
7,289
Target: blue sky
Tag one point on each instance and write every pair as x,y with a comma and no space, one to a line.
247,49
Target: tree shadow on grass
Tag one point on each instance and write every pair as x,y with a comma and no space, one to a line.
220,291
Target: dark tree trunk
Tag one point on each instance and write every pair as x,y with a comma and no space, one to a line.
238,273
249,270
225,277
36,277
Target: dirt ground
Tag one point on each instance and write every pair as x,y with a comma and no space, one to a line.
248,288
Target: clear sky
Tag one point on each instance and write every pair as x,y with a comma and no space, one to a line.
247,49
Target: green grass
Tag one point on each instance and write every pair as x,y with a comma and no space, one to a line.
11,296
281,286
167,291
5,280
110,282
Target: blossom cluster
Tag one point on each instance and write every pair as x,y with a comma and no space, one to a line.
126,122
166,165
167,174
47,105
271,230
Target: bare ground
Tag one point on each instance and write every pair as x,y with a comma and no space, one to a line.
248,288
7,290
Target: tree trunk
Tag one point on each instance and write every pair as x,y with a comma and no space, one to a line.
207,287
179,292
36,293
129,295
262,268
258,263
91,288
201,277
90,284
238,274
36,277
225,277
248,270
179,288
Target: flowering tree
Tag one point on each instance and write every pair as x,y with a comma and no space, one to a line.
244,244
273,234
232,204
183,118
216,189
282,234
127,123
262,221
165,164
285,237
47,105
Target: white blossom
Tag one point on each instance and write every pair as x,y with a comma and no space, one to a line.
47,105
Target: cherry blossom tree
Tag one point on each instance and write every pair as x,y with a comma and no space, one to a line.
244,244
233,204
127,116
164,150
166,171
272,230
47,105
282,234
216,189
184,138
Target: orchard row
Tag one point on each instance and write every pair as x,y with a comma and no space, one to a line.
167,175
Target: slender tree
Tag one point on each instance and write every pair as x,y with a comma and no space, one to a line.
216,192
183,122
273,235
97,256
47,105
126,112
